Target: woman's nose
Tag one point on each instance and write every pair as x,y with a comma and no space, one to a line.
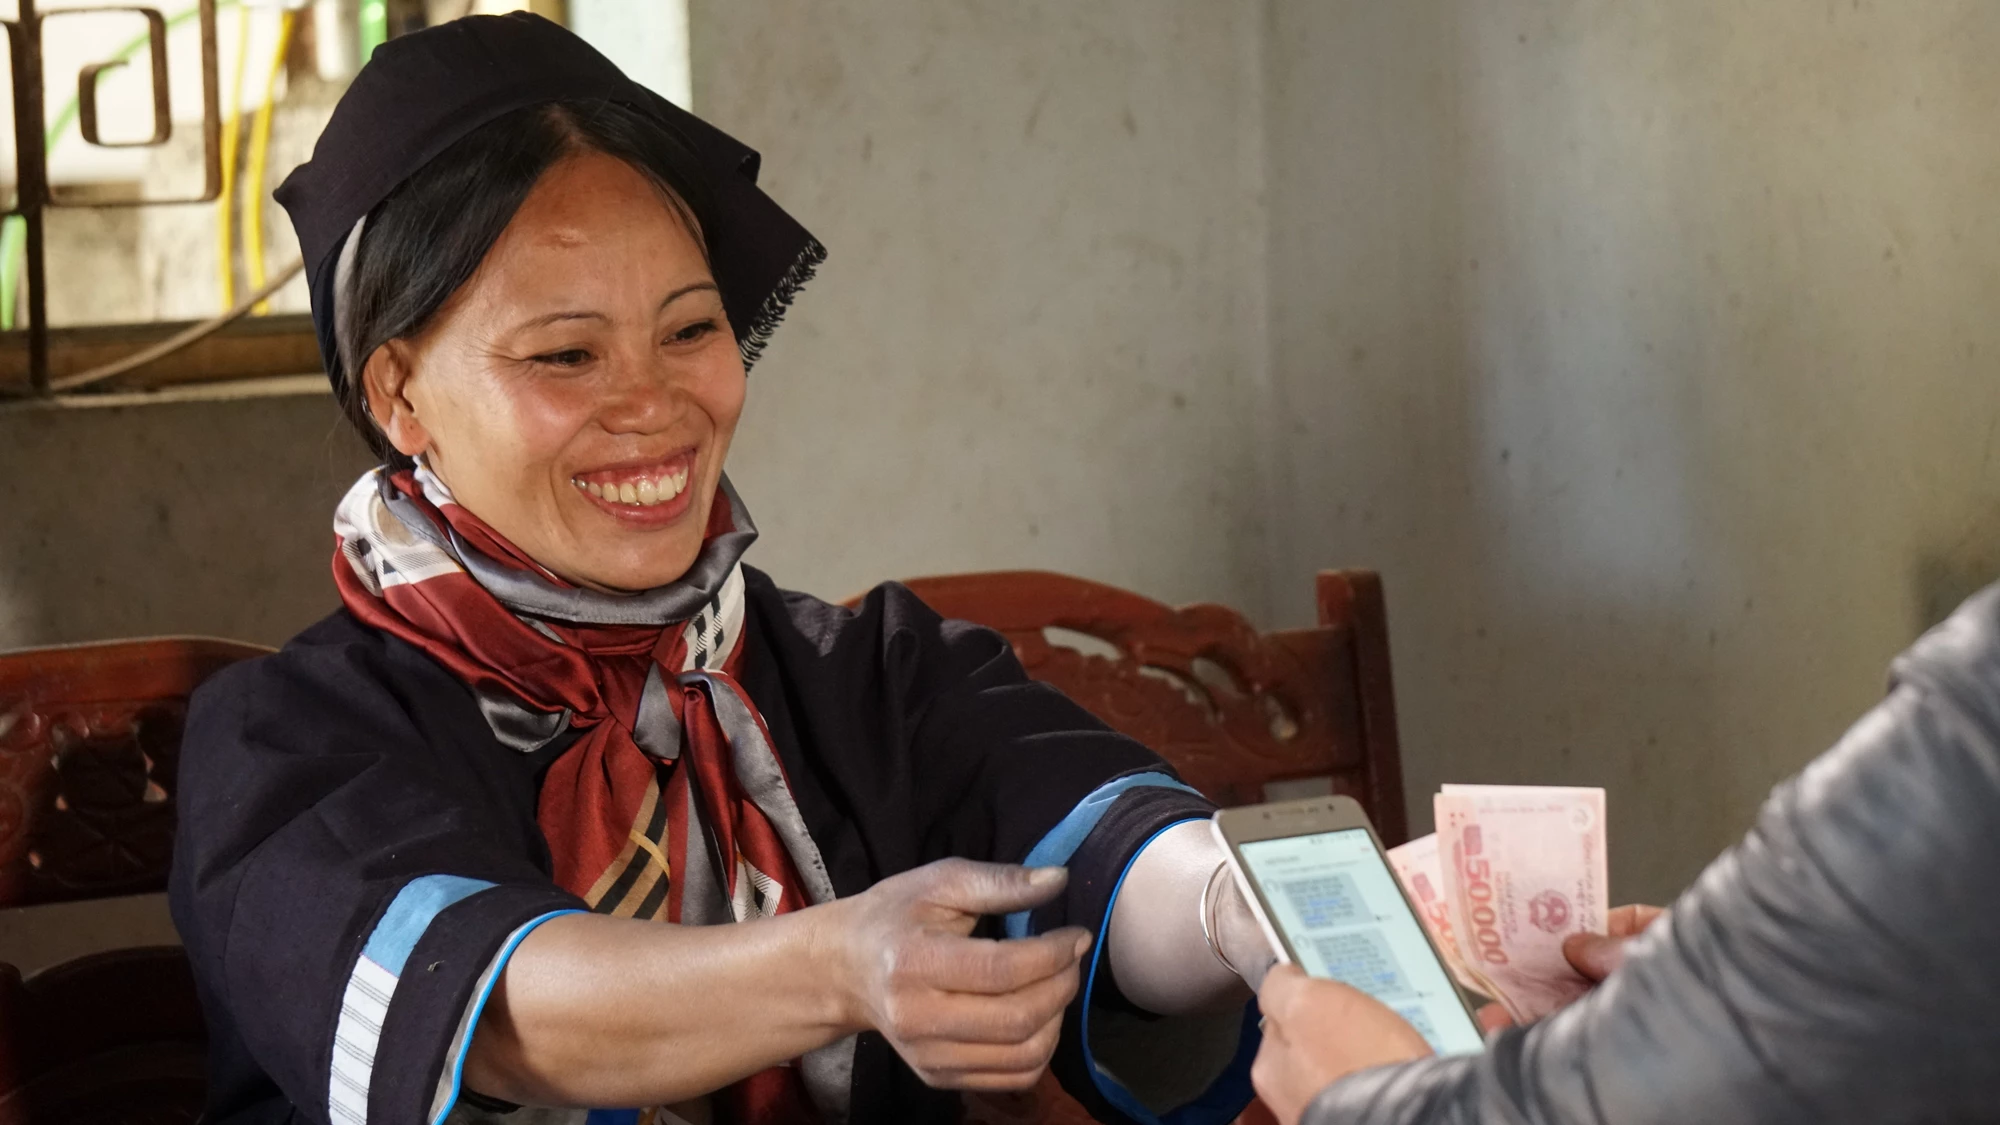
644,395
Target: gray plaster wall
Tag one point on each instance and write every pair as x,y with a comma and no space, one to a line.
211,515
1648,348
1038,339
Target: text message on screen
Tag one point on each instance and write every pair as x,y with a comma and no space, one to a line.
1337,903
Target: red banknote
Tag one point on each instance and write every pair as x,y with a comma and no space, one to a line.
1520,868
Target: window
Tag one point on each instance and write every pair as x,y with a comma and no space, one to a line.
162,257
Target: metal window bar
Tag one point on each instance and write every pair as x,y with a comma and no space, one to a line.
35,196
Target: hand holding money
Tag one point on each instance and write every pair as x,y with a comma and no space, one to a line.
1512,873
1598,955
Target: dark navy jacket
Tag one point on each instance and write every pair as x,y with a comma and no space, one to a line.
345,796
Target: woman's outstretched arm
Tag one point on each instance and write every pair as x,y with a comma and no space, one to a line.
597,1011
1836,966
1161,957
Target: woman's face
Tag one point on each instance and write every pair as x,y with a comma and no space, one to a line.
578,393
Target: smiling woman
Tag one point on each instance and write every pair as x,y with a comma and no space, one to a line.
569,807
530,391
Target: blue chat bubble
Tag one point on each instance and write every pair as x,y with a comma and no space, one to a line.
1362,958
1326,900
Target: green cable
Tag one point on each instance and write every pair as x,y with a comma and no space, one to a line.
374,26
14,232
13,244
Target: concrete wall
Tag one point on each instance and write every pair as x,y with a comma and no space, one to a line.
1037,341
1648,348
208,515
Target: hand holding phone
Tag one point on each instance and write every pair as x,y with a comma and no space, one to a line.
1314,875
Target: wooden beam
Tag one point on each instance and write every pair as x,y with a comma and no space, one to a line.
246,349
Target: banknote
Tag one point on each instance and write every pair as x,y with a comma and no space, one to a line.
1523,867
1418,868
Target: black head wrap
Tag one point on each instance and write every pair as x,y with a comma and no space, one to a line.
420,93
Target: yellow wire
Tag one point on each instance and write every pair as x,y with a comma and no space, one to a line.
260,147
225,204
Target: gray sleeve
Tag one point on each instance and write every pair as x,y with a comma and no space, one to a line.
1837,966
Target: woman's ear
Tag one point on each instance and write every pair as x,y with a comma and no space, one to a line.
385,381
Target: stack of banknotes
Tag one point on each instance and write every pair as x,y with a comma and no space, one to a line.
1510,873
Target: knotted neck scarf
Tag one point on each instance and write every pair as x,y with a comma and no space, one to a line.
672,803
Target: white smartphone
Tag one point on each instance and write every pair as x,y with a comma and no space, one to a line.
1315,876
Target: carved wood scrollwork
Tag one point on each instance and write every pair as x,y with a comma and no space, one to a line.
1230,708
91,792
89,743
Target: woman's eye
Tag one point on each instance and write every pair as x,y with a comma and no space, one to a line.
692,332
567,357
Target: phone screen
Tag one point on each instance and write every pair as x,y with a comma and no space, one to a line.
1336,901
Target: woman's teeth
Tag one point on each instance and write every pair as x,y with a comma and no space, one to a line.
644,493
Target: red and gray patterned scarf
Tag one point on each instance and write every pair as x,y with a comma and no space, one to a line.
672,803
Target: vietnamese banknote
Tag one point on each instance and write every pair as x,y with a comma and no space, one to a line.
1418,868
1519,868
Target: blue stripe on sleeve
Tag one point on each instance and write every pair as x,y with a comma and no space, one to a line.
410,914
1055,849
371,987
492,978
1225,1098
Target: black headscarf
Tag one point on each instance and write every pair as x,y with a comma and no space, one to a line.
420,93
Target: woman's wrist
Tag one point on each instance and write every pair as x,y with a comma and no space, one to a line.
828,954
1210,900
1237,939
1161,936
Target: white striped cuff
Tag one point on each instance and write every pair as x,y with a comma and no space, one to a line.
364,1006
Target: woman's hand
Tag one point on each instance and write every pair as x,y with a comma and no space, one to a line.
594,1010
1319,1031
966,1013
1596,956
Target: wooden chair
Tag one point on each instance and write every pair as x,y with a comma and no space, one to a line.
1243,716
89,737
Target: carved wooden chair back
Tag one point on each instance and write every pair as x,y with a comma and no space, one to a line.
1243,716
89,738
